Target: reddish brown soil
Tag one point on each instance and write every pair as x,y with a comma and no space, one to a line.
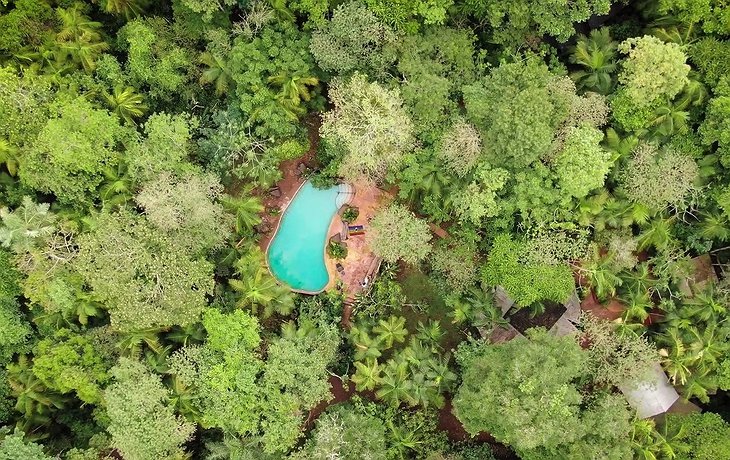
340,393
610,311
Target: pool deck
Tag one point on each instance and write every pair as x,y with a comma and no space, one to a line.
368,198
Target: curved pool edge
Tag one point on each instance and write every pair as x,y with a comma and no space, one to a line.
324,254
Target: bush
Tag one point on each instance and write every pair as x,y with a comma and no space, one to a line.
337,250
526,283
350,214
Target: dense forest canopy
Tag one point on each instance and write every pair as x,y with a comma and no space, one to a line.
539,158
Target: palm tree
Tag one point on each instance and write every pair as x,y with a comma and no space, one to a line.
216,73
79,38
395,386
247,210
33,398
430,332
367,374
705,307
650,444
638,306
423,391
366,347
258,288
620,147
658,234
76,26
27,226
391,331
183,398
676,359
186,335
9,157
714,226
131,342
430,180
293,90
640,280
694,93
602,277
126,103
597,55
83,53
116,190
669,119
439,373
127,8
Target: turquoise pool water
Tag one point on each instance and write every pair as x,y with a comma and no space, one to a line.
296,254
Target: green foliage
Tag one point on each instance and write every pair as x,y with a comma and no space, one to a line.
15,331
141,419
478,199
396,233
518,108
68,362
144,277
456,263
525,392
405,15
95,137
370,123
707,435
280,52
208,8
353,39
716,127
710,56
460,148
344,433
616,359
154,59
436,62
24,25
514,22
187,210
582,164
653,69
677,172
525,283
14,447
710,15
221,374
164,148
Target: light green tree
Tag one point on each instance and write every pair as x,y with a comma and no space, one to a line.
395,233
79,141
143,276
187,209
142,422
652,70
353,39
582,164
371,124
525,392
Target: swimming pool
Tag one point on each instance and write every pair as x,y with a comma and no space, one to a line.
296,254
